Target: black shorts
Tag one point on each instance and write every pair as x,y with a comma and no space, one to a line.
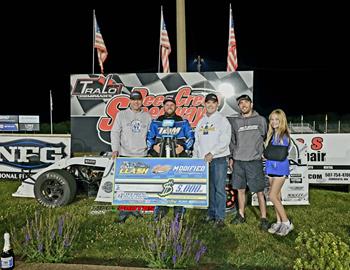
249,173
276,175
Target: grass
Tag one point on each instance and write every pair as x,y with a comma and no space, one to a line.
102,241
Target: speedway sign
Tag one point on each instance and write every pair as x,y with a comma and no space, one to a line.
161,181
97,99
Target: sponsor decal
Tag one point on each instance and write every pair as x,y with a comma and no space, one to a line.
329,167
169,131
337,174
13,175
296,188
161,168
90,161
140,208
107,187
315,176
246,128
96,88
133,168
19,153
133,196
168,188
296,180
295,197
318,155
205,129
187,169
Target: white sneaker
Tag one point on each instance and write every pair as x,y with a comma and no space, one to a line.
274,227
285,229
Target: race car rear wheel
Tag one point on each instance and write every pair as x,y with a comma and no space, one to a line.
55,188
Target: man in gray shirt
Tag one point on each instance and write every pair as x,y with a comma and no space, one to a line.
248,134
212,140
128,135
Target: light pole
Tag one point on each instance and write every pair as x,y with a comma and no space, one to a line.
199,62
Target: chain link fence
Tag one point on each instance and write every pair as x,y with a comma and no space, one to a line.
320,127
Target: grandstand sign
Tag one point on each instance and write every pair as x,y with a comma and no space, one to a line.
17,123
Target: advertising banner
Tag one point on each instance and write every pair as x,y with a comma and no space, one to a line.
23,154
29,127
19,123
161,181
97,99
328,157
8,127
29,123
9,119
29,119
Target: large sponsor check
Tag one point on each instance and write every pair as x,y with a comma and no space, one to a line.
161,181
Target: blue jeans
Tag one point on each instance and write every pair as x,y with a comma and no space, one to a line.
217,193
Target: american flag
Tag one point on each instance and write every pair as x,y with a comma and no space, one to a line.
100,45
164,45
232,63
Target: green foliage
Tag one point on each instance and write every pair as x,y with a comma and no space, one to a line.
102,241
58,128
62,127
171,244
46,238
321,251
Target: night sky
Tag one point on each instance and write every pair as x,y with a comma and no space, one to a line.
298,53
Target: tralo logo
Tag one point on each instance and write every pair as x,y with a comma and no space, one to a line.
96,88
31,153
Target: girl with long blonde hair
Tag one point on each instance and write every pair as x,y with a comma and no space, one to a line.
278,171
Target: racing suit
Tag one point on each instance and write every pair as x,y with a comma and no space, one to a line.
181,133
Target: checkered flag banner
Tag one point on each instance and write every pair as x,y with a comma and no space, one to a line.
97,99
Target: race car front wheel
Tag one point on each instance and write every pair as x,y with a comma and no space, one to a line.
55,188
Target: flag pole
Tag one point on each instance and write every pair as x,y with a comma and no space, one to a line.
93,42
229,25
51,108
160,37
229,35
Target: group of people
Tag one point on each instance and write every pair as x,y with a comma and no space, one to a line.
237,142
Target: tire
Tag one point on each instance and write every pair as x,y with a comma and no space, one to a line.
55,188
231,198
